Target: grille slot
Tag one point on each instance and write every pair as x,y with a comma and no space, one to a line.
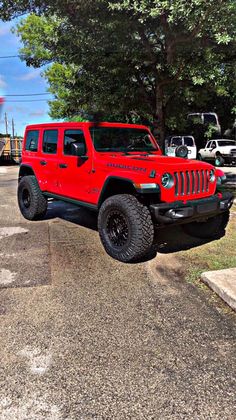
176,183
191,182
182,183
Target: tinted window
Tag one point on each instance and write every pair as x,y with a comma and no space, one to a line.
176,141
32,138
213,144
72,137
226,143
208,145
188,141
210,119
50,138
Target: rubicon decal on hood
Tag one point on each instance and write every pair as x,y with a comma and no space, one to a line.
129,167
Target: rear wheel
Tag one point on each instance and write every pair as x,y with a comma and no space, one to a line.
32,203
214,227
219,160
125,228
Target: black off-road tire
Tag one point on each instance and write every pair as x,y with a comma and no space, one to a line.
125,228
219,161
213,227
32,203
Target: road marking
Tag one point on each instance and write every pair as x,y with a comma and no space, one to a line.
6,276
9,231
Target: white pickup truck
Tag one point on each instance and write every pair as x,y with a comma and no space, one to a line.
221,151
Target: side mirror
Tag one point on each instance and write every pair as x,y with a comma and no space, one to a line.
78,149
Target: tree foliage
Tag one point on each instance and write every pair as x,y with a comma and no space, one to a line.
132,60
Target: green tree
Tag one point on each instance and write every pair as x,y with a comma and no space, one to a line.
146,60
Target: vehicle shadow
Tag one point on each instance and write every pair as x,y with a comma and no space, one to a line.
72,213
167,240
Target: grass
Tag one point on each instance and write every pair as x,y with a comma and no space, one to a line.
215,255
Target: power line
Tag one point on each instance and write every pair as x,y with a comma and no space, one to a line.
11,56
29,94
29,100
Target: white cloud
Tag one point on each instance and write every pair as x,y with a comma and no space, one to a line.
34,74
38,113
2,82
5,29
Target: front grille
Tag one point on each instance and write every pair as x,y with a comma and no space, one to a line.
191,182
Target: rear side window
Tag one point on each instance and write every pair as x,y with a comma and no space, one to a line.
72,137
188,141
50,138
32,138
176,141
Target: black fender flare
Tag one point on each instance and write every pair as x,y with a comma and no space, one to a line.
25,170
122,182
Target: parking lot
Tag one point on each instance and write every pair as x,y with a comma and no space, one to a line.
84,336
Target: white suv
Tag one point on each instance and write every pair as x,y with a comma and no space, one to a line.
172,143
220,151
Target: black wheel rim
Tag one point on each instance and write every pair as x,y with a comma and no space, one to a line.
117,229
26,198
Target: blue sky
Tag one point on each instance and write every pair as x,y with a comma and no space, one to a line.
17,78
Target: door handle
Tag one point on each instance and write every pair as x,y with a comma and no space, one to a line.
43,162
63,165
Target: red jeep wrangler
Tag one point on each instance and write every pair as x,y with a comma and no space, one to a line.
119,171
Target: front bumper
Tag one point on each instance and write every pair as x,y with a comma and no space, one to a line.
180,212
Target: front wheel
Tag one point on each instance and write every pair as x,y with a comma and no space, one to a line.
214,227
32,203
125,228
219,161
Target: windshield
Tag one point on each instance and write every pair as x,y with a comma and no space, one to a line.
188,141
116,139
226,143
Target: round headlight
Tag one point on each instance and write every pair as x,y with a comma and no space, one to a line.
212,176
167,180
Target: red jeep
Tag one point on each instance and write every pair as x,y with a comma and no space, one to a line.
119,171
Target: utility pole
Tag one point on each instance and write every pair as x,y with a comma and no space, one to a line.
13,128
6,123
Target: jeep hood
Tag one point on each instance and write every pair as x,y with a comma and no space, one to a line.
158,162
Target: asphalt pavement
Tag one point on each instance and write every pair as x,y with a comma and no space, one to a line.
86,337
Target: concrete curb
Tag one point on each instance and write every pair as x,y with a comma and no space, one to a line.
222,282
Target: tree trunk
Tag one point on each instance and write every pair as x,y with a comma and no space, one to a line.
159,119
